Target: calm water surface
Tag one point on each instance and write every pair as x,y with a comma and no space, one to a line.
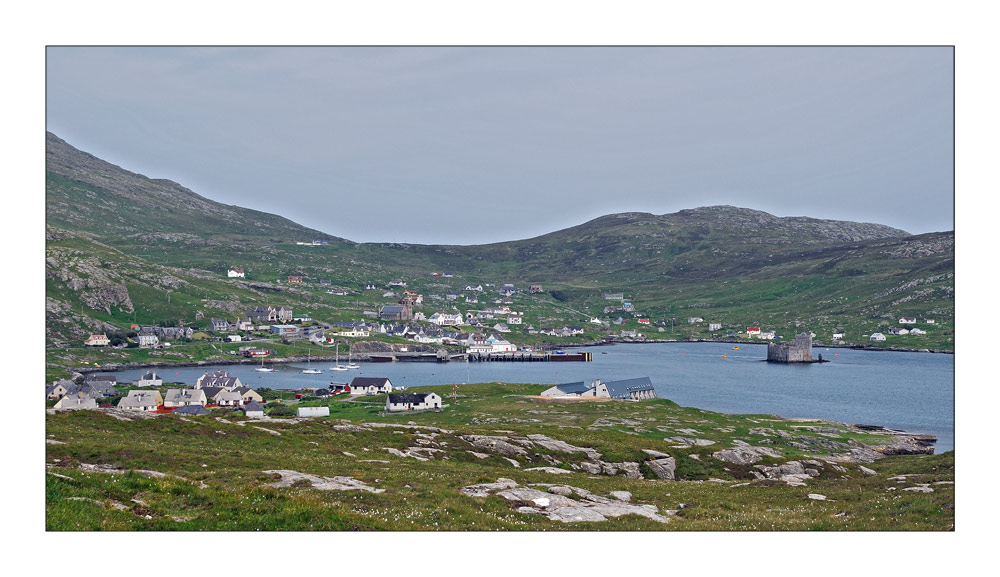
909,391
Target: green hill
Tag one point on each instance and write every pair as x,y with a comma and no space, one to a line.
121,234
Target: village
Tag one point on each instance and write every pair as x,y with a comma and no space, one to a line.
453,319
220,390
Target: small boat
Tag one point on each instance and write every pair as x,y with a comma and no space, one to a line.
725,357
339,366
351,365
262,368
736,348
309,370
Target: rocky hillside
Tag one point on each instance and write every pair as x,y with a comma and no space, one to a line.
118,238
87,194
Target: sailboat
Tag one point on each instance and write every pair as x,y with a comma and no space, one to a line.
310,370
262,368
352,365
339,366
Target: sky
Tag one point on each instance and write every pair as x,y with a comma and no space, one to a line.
470,145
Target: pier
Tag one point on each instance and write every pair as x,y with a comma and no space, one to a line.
514,357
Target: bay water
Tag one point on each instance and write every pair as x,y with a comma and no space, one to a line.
914,392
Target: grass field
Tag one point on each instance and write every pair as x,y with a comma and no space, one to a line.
211,472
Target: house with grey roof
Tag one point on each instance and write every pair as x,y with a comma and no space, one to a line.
412,402
370,385
228,399
253,410
75,402
568,389
191,410
59,389
149,380
182,397
141,401
637,389
249,395
220,379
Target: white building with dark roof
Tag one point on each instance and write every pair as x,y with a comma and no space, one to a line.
182,397
576,389
141,401
627,389
412,402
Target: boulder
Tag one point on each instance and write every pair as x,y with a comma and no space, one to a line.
663,468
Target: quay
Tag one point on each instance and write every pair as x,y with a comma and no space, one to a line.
515,357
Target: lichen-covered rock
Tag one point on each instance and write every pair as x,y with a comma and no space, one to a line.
289,478
562,446
502,445
663,468
744,454
557,504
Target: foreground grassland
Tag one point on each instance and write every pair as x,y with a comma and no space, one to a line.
217,472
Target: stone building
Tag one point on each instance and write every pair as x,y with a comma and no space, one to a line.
797,351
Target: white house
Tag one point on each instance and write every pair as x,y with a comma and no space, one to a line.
693,320
236,273
75,401
877,337
141,401
442,319
899,331
753,331
148,341
838,336
97,341
412,401
370,385
766,335
182,397
907,320
228,399
149,380
253,410
916,331
715,326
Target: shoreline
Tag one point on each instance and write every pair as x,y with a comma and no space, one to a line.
108,367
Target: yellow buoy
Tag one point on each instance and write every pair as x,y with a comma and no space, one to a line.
725,357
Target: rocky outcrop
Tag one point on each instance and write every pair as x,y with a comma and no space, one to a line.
744,454
662,464
502,445
629,470
558,505
294,478
793,472
555,445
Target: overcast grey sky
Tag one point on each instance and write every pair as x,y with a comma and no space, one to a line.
476,145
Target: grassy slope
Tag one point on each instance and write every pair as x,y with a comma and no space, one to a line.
735,266
215,471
